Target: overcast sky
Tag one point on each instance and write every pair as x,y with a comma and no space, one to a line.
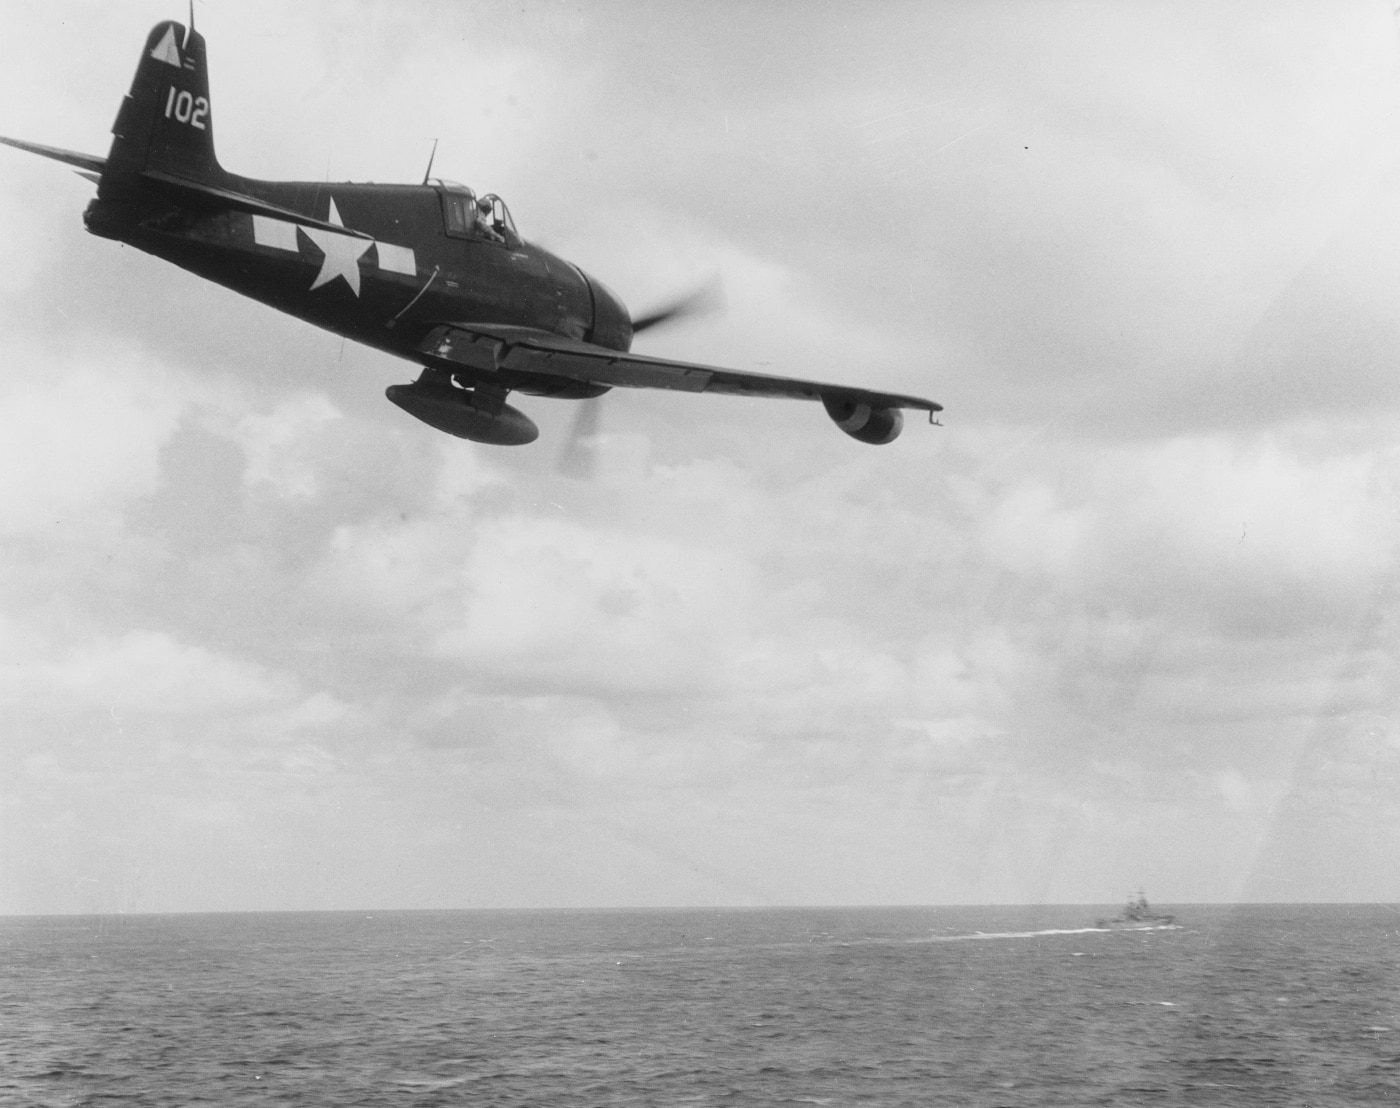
1131,617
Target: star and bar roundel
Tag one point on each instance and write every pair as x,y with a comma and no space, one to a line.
340,254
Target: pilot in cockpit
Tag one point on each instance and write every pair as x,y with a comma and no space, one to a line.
485,223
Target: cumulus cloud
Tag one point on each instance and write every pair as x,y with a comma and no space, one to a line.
145,671
81,443
282,448
1128,617
559,599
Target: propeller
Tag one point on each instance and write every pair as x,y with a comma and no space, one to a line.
708,298
579,459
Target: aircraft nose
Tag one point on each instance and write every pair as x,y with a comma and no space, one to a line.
612,325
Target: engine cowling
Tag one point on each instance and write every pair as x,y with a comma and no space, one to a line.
861,421
612,325
451,409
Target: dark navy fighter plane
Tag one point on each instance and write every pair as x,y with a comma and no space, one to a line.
432,272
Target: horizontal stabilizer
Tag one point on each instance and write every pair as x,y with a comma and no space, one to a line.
242,202
90,162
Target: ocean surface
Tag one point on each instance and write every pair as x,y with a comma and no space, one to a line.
1256,1005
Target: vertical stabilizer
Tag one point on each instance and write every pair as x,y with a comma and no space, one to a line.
165,124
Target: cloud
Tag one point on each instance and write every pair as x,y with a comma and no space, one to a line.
627,610
79,444
1126,617
282,447
148,671
1211,522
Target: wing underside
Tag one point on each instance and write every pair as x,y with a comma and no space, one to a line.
488,348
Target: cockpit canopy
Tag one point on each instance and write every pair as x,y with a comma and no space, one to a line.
465,216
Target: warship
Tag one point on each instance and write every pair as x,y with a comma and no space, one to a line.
1137,914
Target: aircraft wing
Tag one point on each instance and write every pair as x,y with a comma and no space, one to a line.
489,347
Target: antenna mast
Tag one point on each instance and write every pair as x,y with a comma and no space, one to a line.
431,156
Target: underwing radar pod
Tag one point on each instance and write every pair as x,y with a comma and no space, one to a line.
434,273
858,419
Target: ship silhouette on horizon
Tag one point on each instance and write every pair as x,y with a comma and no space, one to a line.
1137,914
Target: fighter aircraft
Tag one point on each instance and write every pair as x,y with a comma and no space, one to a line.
431,272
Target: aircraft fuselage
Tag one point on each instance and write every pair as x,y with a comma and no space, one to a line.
360,287
431,273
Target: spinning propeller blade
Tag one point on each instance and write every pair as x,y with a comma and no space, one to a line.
708,298
579,457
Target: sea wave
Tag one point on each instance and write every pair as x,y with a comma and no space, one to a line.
703,1007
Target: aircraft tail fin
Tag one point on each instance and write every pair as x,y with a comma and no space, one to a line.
165,123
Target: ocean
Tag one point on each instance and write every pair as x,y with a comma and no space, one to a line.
1250,1005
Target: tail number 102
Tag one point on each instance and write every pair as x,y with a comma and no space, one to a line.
185,108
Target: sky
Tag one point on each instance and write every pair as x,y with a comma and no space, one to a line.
1130,617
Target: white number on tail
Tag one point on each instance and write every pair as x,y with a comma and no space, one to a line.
184,108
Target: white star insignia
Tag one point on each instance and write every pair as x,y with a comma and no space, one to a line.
342,253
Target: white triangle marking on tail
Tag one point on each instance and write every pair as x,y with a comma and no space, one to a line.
167,51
